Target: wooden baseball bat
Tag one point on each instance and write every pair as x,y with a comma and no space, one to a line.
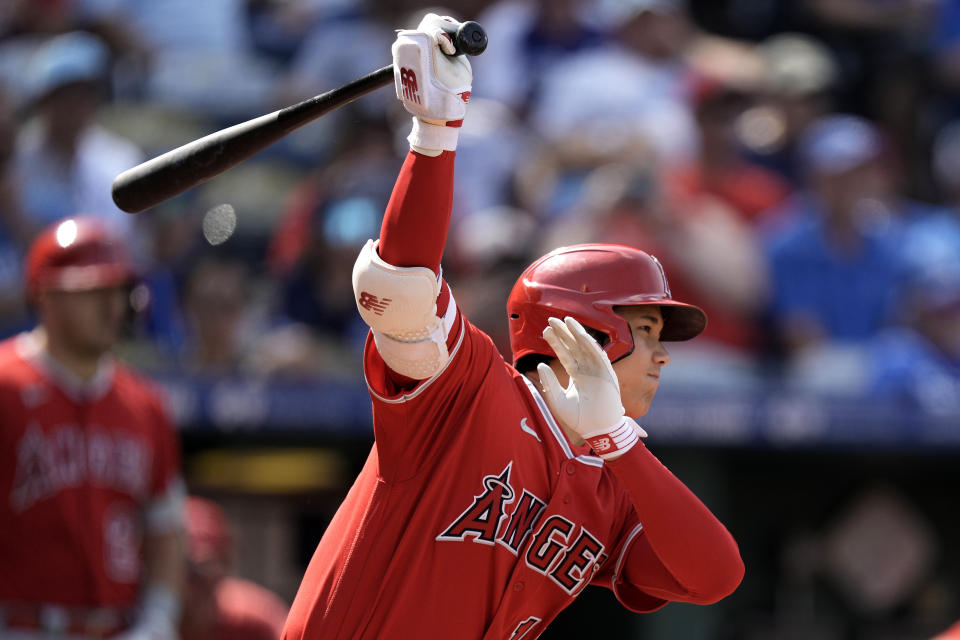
172,173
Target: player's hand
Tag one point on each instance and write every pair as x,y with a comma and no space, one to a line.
432,83
590,403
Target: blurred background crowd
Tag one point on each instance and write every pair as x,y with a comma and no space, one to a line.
795,165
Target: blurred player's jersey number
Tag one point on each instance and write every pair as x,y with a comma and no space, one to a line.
408,80
121,538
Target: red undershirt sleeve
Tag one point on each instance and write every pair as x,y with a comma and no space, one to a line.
685,553
414,228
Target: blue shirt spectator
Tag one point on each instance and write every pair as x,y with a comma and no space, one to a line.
847,294
834,256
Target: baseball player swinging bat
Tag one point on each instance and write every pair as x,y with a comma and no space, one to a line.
172,173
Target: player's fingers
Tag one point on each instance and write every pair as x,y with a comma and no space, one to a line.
587,351
445,41
585,342
549,382
551,335
590,349
564,335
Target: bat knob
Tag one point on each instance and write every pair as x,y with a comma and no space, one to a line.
470,38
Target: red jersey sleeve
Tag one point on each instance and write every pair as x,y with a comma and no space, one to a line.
412,426
681,551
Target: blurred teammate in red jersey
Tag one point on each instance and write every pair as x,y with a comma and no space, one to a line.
495,493
218,605
91,543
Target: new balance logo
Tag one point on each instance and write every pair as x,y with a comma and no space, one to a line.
465,96
408,81
371,302
601,444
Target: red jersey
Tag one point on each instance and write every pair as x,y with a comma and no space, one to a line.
474,517
474,501
85,469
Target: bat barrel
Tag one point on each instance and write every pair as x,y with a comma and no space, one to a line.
194,163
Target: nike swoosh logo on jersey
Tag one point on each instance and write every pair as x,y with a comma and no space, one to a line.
526,427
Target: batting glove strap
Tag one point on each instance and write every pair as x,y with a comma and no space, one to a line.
610,444
433,139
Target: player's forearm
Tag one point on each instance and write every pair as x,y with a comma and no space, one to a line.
414,228
164,555
690,542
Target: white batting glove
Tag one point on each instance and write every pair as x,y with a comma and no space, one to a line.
432,83
590,404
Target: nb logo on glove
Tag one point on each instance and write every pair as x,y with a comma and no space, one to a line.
408,79
601,445
371,302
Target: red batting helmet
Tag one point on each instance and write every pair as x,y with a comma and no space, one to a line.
586,282
77,254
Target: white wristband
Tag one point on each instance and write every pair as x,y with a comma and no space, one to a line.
613,442
432,139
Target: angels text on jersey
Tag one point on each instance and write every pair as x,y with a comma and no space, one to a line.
563,551
65,457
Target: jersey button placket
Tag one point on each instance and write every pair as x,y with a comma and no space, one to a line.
518,586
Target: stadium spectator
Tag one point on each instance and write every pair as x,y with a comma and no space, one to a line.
721,168
215,307
833,251
311,253
532,36
800,75
631,90
713,255
919,361
219,605
201,54
65,162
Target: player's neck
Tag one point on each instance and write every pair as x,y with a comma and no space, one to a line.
81,364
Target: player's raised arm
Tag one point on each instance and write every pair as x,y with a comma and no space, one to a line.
396,279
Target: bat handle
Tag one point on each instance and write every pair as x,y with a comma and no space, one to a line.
468,37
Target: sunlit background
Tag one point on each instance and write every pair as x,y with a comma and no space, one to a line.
795,165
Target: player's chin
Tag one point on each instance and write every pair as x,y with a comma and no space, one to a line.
641,404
